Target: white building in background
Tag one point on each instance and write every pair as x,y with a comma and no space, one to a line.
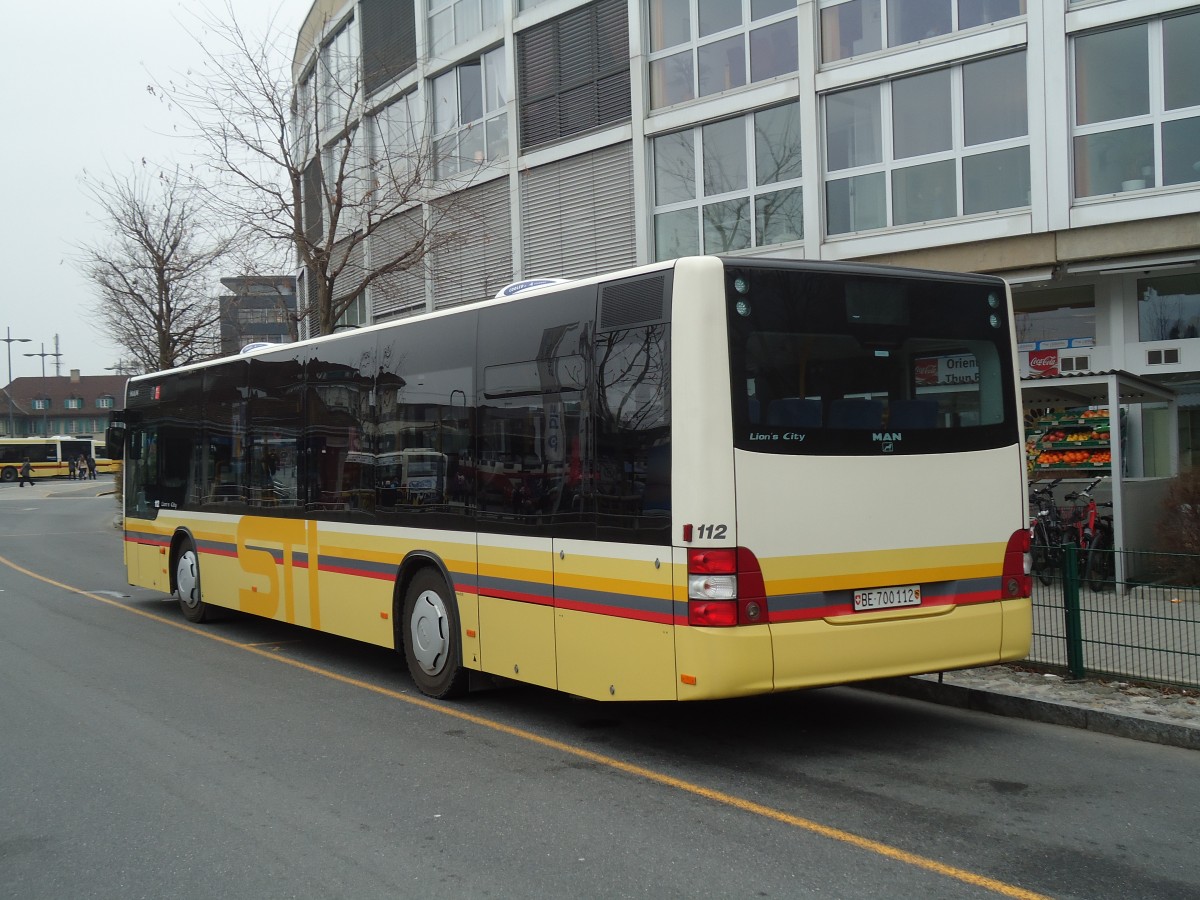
1053,142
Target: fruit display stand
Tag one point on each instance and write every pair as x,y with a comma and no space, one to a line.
1097,424
1076,439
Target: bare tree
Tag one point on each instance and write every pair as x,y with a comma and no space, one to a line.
302,168
154,273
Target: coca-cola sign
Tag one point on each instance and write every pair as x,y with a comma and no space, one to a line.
1043,362
942,370
927,371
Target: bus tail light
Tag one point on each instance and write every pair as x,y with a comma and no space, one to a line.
725,588
1016,580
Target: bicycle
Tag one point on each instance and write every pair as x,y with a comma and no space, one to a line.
1101,558
1083,523
1045,533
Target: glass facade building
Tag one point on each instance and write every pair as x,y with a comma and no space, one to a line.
1053,142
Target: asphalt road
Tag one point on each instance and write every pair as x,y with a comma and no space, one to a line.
141,756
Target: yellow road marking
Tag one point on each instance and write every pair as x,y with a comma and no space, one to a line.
730,800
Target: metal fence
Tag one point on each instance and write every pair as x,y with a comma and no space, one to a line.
1144,628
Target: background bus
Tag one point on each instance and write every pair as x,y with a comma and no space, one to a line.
49,456
704,478
411,476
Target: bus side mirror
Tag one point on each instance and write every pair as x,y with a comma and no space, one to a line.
114,441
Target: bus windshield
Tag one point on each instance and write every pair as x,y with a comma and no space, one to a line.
843,363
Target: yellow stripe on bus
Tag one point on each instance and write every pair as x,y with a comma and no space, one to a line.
830,571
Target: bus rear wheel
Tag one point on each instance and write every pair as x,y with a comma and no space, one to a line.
187,584
9,474
432,641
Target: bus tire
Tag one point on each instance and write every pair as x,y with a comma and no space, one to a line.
9,474
432,640
187,584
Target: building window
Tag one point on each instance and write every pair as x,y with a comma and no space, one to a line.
1162,357
1168,307
854,27
394,149
1137,106
73,403
940,144
41,403
1059,316
104,403
452,22
470,125
704,47
573,73
729,185
355,315
337,79
304,119
389,37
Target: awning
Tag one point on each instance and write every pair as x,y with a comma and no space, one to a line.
1091,389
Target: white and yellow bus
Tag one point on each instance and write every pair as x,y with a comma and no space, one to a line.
49,456
704,478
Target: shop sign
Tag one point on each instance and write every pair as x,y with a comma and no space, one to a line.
1043,362
939,370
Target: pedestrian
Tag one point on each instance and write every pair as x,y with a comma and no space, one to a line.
71,468
91,467
81,467
26,472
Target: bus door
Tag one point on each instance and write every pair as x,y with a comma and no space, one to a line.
531,372
613,592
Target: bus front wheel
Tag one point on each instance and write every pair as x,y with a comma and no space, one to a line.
187,584
432,641
9,474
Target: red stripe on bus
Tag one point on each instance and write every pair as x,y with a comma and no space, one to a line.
361,573
149,541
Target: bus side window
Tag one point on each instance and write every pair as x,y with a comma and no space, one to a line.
141,472
632,435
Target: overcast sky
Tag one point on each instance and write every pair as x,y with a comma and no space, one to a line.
75,76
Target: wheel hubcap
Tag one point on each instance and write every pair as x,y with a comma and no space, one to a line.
430,641
186,580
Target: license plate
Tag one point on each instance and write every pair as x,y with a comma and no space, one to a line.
887,597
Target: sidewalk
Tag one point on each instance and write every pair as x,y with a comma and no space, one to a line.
1117,708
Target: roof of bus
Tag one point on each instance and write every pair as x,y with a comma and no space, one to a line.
420,317
746,261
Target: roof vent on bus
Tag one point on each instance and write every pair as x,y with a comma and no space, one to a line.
639,301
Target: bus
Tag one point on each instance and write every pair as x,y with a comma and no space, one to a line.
50,455
704,478
413,476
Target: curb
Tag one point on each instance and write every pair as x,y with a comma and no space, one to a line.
1071,715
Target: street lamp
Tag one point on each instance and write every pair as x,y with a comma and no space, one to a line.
10,340
45,393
